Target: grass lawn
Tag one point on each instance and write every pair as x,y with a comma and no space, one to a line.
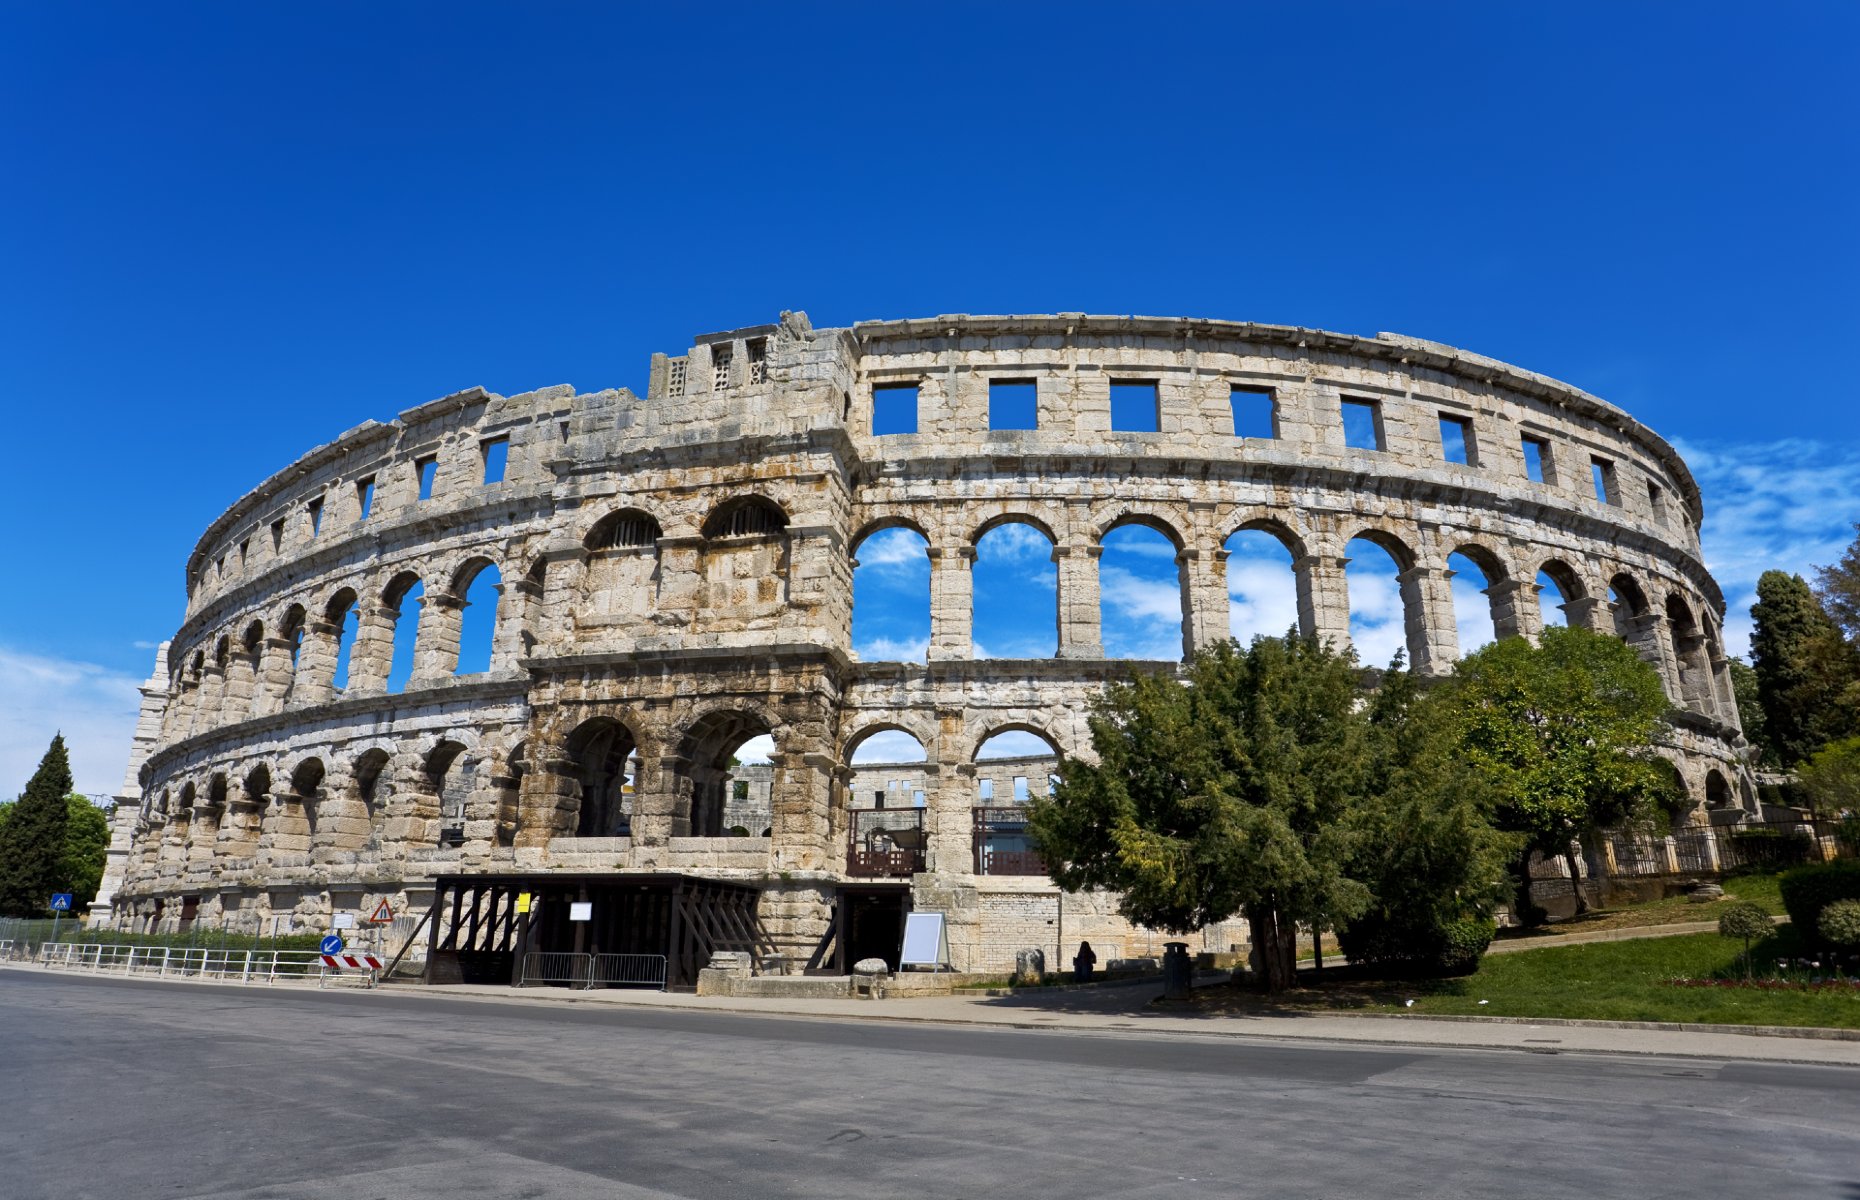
1758,889
1607,981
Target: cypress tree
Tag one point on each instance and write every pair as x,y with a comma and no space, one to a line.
1804,669
32,846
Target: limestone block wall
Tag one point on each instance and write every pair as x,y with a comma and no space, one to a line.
671,574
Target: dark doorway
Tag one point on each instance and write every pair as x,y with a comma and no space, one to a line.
871,924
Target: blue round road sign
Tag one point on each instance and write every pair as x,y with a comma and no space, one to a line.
331,945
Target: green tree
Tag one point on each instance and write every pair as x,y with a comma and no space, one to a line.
32,845
1561,732
1235,789
1839,588
1750,709
1808,679
87,843
1832,778
1426,848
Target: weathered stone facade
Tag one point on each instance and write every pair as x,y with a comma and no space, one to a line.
675,574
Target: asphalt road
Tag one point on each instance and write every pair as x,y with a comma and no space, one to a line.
140,1090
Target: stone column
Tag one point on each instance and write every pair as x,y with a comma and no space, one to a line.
274,677
549,798
316,663
187,706
952,603
1725,693
951,797
211,697
1204,598
1427,608
1590,613
1515,612
506,629
1081,632
1646,633
800,790
241,682
517,625
1323,599
681,569
373,654
436,650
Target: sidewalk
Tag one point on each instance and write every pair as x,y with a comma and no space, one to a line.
1127,1011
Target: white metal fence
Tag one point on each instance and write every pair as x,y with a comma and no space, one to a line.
266,967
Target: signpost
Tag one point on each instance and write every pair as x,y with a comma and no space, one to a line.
342,921
61,904
383,914
330,945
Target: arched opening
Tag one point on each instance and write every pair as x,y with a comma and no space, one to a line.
372,791
1557,589
1262,584
346,616
623,565
1627,604
293,633
604,758
448,775
745,562
1718,791
245,687
721,751
258,785
508,784
1011,767
1142,604
746,516
1475,613
1378,608
307,789
1015,611
887,834
1689,658
887,770
404,598
891,595
481,587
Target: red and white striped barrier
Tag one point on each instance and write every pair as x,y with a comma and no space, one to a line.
355,962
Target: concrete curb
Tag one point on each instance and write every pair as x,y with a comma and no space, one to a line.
1822,1032
1632,933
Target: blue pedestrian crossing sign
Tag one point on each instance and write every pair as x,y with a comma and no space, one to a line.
330,945
61,902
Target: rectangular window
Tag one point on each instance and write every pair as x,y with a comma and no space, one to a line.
720,367
1256,412
1656,501
894,409
1021,794
675,377
1013,404
1456,439
496,452
1362,424
364,497
425,469
758,360
1135,408
1603,473
219,566
1536,458
245,548
917,799
988,789
315,509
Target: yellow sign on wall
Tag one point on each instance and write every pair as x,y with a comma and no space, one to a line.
523,902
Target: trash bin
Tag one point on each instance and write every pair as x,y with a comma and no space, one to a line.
1178,971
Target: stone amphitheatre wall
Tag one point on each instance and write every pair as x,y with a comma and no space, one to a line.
674,574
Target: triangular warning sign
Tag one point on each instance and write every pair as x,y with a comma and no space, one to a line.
383,915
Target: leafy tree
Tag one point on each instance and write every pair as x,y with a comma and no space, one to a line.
1427,849
1839,588
1561,734
1832,777
1746,921
1235,790
1750,709
1808,677
33,841
87,843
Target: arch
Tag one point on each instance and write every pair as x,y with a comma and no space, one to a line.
1694,683
1014,591
344,612
188,794
1013,761
366,777
882,523
222,651
891,593
404,598
623,529
1143,519
216,789
1261,566
1000,733
1143,601
1286,534
257,784
448,788
1382,621
705,753
483,596
307,786
1476,574
1013,517
752,515
291,629
1390,543
1718,792
1558,587
603,757
878,734
1626,597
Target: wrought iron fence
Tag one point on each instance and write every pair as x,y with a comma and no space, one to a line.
1710,850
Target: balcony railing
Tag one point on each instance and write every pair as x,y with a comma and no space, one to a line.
1001,844
885,843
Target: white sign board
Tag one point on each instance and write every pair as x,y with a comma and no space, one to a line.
926,941
342,921
582,910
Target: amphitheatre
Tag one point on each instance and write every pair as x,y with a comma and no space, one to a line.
672,575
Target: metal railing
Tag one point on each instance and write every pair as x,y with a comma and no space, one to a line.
230,966
885,843
1000,842
593,970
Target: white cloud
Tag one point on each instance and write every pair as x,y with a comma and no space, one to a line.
1377,625
94,707
1262,598
895,550
1786,505
1015,743
884,649
758,749
1472,613
889,746
1016,542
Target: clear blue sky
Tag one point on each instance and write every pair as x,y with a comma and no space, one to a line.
229,232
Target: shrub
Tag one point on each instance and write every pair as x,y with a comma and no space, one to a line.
1448,948
1840,924
1744,920
1808,890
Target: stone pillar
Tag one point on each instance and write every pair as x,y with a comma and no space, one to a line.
951,797
274,677
211,697
316,663
1427,608
681,569
1590,613
952,603
187,707
436,651
1515,612
1725,693
1323,599
517,626
1204,598
1646,633
800,787
1081,632
241,682
549,799
373,654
